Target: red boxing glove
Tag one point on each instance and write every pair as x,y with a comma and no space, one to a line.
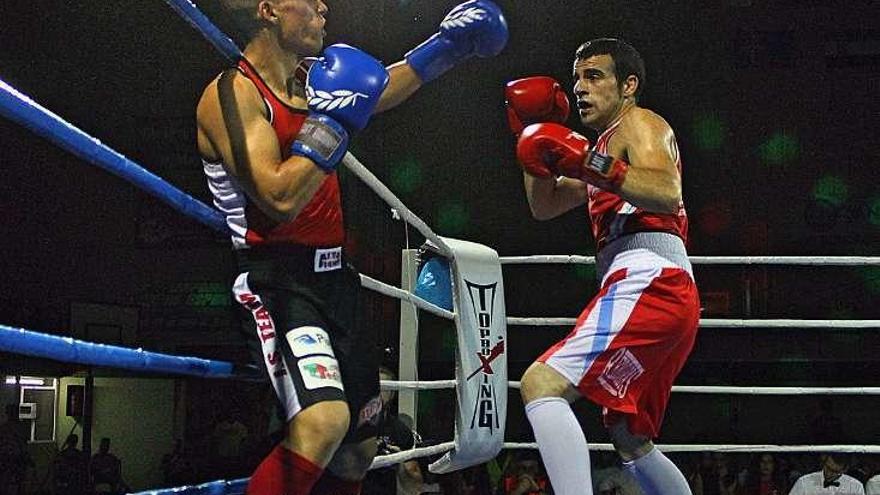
552,149
535,99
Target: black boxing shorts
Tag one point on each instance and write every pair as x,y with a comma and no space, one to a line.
300,311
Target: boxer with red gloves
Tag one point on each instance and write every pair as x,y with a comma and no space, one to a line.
632,339
272,132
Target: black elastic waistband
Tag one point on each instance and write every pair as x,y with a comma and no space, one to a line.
292,257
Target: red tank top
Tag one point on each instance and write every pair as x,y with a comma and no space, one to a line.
612,217
319,224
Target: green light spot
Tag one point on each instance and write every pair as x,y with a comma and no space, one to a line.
871,276
207,294
452,218
406,176
781,149
874,211
585,272
831,189
709,132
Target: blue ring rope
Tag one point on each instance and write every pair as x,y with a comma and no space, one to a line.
19,108
68,349
219,487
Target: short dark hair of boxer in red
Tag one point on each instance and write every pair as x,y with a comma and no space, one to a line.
627,60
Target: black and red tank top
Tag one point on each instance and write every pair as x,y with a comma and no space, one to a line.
319,224
611,217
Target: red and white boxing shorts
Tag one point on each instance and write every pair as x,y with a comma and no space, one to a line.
632,339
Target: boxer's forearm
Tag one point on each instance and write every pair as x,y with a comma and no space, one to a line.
402,83
551,196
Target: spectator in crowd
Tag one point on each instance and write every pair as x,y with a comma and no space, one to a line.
14,457
526,476
228,442
872,486
70,469
471,481
714,476
176,466
763,477
106,471
831,479
395,434
872,467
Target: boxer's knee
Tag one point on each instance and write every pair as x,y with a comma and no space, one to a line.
541,381
318,430
352,460
627,444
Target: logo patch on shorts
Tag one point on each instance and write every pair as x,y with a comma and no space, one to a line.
319,372
309,340
619,372
327,260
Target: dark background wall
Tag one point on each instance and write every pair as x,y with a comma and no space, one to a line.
774,104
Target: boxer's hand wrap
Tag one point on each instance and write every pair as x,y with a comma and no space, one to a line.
474,28
604,171
533,100
322,140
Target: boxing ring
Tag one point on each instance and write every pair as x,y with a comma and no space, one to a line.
490,359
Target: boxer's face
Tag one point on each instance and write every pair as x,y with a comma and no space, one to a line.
300,24
600,96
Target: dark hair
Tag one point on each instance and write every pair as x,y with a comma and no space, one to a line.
845,459
753,474
388,371
627,60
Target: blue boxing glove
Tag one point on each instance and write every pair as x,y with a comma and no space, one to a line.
322,140
474,28
345,84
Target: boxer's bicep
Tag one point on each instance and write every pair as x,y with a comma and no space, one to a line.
653,181
236,123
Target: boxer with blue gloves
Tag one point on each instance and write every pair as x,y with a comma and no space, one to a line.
272,132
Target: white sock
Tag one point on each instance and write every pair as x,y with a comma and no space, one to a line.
562,444
657,475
